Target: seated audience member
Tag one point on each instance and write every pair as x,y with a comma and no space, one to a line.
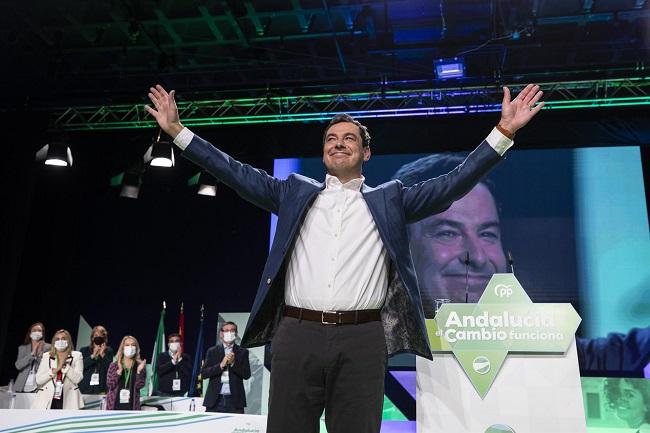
58,376
174,368
126,377
97,357
29,358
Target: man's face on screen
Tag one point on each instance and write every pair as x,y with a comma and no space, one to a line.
439,245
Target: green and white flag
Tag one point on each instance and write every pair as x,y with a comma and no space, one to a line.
158,347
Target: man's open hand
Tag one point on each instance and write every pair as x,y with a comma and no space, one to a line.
164,110
517,112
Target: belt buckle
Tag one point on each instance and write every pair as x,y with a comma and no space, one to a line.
322,317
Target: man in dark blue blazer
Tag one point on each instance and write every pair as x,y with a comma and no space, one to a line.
338,293
227,366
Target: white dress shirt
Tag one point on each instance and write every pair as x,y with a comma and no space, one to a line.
225,386
338,261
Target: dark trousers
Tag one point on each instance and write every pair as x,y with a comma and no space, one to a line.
336,368
224,404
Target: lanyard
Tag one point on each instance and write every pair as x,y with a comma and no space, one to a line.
127,376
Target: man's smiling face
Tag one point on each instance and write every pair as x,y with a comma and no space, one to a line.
441,242
343,151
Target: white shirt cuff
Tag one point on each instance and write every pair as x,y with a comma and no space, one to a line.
184,137
499,142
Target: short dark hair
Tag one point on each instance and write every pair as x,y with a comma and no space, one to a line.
174,334
228,323
432,166
340,118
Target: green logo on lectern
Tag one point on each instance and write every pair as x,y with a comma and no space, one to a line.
481,365
504,320
499,428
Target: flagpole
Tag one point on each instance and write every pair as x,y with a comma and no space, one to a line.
181,327
196,380
158,347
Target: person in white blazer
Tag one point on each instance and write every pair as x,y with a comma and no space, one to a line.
58,375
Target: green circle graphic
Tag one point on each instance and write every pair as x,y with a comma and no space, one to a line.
481,365
500,428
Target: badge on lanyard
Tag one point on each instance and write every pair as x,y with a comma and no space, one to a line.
176,384
225,377
94,379
58,389
125,395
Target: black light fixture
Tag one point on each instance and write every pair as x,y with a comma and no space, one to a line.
131,182
57,154
207,184
160,153
450,68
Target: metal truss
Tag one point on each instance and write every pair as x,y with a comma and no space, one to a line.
381,103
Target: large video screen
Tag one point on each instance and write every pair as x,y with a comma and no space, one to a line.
571,223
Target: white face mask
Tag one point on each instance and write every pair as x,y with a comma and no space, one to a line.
36,335
173,347
229,337
129,351
61,345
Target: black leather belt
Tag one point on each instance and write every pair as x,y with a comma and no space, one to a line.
333,317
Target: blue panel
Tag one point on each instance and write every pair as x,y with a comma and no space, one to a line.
282,168
613,242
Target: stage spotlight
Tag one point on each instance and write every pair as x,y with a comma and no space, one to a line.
131,182
207,184
160,153
450,68
209,190
57,154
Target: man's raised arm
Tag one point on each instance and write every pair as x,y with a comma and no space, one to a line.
436,195
252,184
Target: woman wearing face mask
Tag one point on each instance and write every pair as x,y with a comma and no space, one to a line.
174,368
29,358
126,377
97,357
58,375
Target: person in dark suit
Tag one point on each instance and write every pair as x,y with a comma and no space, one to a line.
174,368
227,366
338,293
